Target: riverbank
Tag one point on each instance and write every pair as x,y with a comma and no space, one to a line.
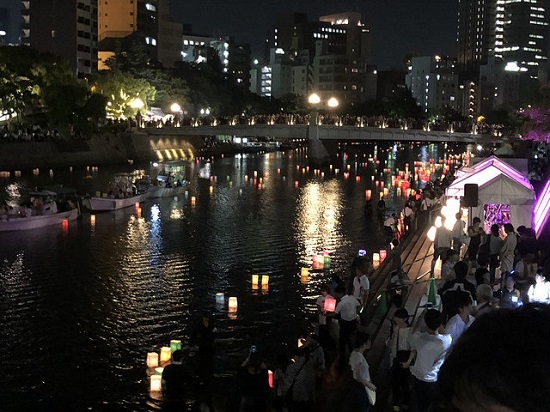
100,150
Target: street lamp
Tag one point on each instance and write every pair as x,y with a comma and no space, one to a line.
314,98
175,108
137,104
333,102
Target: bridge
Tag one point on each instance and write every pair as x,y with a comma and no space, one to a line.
319,136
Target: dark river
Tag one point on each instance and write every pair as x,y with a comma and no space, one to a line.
80,308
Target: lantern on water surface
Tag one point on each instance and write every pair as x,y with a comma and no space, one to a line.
375,260
304,275
220,298
152,360
270,379
326,260
232,304
155,383
165,354
136,205
138,212
265,281
383,254
175,345
330,305
255,281
159,370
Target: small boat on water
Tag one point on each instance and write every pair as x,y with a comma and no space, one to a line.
169,181
127,190
41,211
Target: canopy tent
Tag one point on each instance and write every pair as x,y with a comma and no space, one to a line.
498,184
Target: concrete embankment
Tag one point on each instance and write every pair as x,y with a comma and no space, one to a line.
99,150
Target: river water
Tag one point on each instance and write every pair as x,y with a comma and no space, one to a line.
80,308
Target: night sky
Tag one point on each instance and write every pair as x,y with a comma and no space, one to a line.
424,27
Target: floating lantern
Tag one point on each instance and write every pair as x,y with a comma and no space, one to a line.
318,262
175,345
254,281
357,178
211,189
138,212
159,370
255,173
368,194
265,281
220,298
296,184
165,354
156,383
136,205
326,260
65,224
270,379
232,304
152,360
375,260
246,178
92,220
330,305
304,275
193,200
383,254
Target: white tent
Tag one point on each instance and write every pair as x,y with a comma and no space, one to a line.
498,183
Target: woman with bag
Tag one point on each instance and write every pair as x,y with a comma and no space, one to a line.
363,392
300,378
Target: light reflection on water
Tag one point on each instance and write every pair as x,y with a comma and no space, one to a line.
80,310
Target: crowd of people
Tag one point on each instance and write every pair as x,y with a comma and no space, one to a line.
20,133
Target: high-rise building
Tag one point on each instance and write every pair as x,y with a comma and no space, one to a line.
10,22
66,28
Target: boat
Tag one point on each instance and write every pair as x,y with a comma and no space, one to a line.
27,218
169,181
127,190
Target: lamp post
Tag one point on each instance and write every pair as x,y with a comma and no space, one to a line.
175,108
318,153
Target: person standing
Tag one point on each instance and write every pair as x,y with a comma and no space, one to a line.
458,232
475,232
203,337
428,352
400,349
346,311
495,244
540,291
442,244
361,284
300,379
507,251
510,297
174,382
408,214
358,399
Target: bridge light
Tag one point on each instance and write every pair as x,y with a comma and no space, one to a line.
333,102
314,98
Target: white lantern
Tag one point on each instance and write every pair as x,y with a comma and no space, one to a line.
265,281
232,304
152,360
156,383
220,298
255,279
165,354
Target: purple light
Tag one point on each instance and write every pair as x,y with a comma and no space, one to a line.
542,209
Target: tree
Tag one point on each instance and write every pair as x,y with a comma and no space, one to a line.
125,94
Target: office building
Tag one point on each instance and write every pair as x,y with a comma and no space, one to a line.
66,28
10,22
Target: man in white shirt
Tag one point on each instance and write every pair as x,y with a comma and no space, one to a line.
462,320
389,224
361,284
429,350
346,311
458,232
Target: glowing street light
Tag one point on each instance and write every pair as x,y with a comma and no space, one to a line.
314,98
333,102
175,108
137,104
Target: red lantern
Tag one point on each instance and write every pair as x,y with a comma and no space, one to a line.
330,305
270,379
383,254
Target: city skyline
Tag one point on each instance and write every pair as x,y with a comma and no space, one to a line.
394,24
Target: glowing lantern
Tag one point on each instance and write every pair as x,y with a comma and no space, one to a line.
304,275
265,281
136,205
65,224
326,262
220,298
159,370
211,189
270,379
165,354
254,281
300,342
175,345
92,220
296,184
383,254
330,305
318,262
152,360
376,260
193,200
156,383
232,304
138,212
368,194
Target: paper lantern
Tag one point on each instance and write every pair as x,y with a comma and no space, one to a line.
304,272
254,280
326,260
175,345
330,305
270,379
318,262
152,360
232,304
300,342
376,259
156,383
265,281
92,220
193,200
368,194
159,370
165,354
220,298
383,254
138,212
136,205
65,224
